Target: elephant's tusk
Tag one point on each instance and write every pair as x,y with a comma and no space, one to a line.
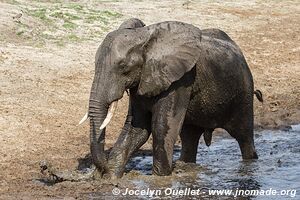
110,113
85,117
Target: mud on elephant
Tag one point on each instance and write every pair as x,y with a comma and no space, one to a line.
181,81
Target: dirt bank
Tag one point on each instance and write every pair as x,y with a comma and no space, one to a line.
47,51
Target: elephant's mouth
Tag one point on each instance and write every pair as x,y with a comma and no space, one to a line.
111,111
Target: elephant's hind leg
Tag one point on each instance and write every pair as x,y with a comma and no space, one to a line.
190,136
242,131
246,144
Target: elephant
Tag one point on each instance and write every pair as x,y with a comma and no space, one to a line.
181,81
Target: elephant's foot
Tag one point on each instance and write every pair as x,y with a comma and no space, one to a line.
248,150
55,176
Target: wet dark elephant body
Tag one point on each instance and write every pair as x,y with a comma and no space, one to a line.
227,102
187,81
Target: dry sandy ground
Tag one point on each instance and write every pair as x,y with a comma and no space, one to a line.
45,83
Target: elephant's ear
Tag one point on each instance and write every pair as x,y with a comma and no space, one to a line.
132,23
171,50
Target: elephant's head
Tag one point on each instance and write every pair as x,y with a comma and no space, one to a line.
147,58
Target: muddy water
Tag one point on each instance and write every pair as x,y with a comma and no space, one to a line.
220,167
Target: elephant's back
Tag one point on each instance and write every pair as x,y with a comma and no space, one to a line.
216,33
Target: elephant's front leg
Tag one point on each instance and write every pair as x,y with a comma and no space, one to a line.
135,133
126,145
168,116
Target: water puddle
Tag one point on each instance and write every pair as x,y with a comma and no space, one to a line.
220,166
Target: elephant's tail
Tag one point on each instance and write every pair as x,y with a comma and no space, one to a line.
259,95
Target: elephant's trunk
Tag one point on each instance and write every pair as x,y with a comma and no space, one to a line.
100,116
97,114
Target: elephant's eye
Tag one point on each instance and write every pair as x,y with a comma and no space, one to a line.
122,64
122,67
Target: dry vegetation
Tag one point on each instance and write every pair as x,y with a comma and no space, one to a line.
47,63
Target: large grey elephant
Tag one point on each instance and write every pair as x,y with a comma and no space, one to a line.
181,81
